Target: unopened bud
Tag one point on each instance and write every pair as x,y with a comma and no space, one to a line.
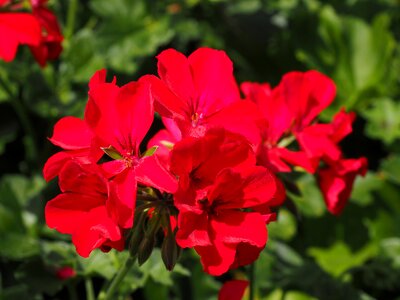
170,252
137,235
145,249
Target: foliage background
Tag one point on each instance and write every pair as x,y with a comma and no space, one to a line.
310,254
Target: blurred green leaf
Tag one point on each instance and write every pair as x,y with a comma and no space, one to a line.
310,201
391,168
18,246
98,263
383,122
284,227
358,56
364,187
339,258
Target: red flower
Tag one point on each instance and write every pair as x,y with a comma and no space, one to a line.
217,226
120,117
50,46
197,161
81,210
199,92
290,108
65,273
16,29
336,182
233,290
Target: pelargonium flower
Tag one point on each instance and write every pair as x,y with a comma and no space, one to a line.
336,182
220,227
197,161
218,183
81,209
16,29
120,118
290,108
50,46
199,92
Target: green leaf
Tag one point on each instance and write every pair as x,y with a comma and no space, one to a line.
284,227
339,258
98,263
364,187
383,122
310,202
391,168
17,246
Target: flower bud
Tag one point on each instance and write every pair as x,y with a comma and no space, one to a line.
145,249
170,252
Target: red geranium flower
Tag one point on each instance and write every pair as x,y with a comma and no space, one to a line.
81,210
199,92
290,108
120,118
50,46
197,161
220,227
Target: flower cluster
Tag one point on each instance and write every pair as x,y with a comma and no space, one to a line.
38,28
209,181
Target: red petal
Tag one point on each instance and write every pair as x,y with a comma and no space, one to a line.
54,164
241,117
175,72
17,28
271,104
216,259
193,227
242,188
233,290
96,229
67,211
204,157
166,103
82,178
212,72
122,198
336,182
306,94
234,227
71,133
150,172
315,141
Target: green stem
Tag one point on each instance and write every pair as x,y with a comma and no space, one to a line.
71,16
89,289
31,148
251,281
108,295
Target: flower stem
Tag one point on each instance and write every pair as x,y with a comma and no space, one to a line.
71,16
89,289
108,295
251,281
